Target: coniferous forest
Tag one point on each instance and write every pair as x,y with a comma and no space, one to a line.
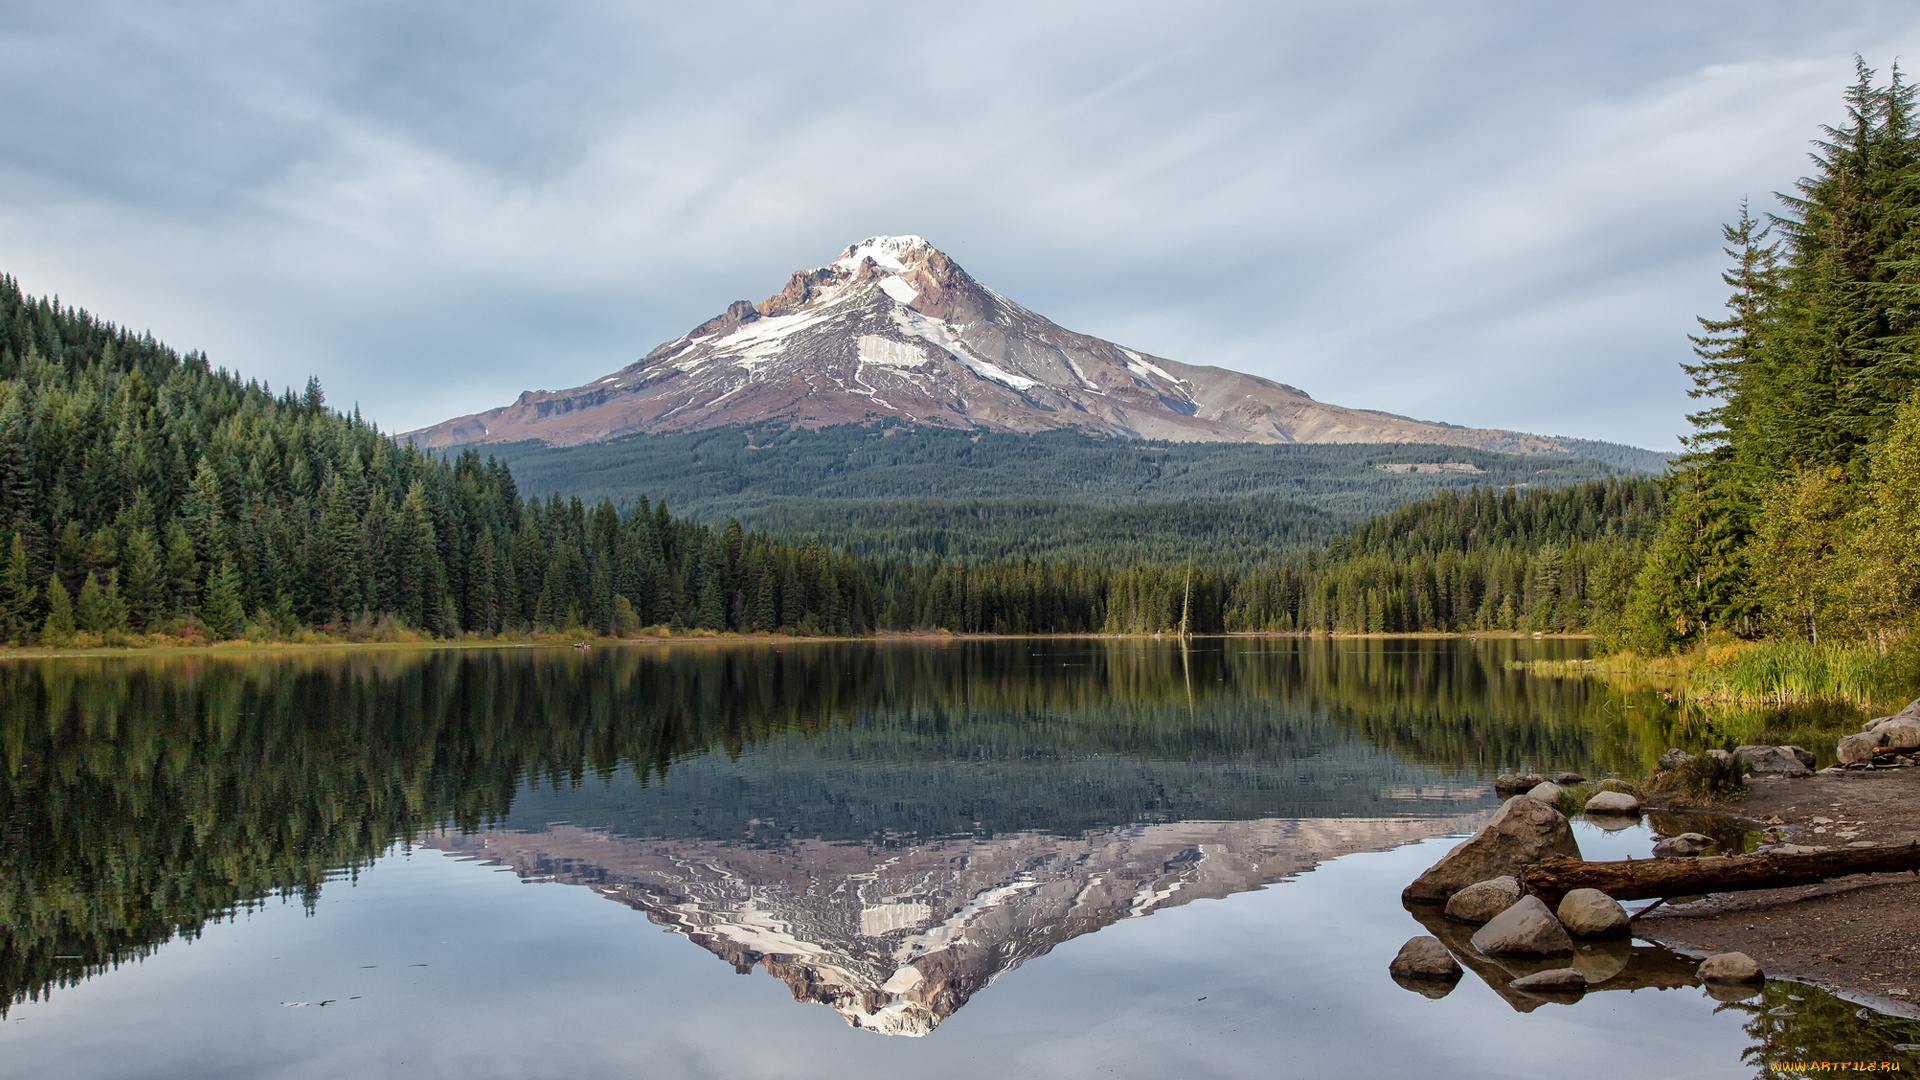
1796,513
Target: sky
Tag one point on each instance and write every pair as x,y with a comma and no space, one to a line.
1488,213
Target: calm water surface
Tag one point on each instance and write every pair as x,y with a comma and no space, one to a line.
1030,858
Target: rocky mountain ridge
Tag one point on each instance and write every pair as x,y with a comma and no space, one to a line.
894,329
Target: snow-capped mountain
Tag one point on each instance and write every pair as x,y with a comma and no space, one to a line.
893,328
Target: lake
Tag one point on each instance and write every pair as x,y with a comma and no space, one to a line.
1037,857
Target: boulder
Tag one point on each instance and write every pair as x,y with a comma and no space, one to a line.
1674,758
1874,723
1546,791
1554,981
1802,754
1519,834
1730,967
1516,783
1613,802
1482,900
1770,761
1612,784
1592,913
1902,733
1568,779
1858,749
1424,957
1720,756
1685,846
1527,928
1912,710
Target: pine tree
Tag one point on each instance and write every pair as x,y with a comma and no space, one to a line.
146,580
90,612
17,594
221,611
59,625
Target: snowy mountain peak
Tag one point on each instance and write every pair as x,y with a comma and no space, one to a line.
888,252
895,330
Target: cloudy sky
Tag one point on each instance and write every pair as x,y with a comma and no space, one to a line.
1496,214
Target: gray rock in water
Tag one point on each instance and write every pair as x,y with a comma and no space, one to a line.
1424,957
1519,834
1685,846
1770,761
1555,981
1527,928
1592,913
1568,779
1674,758
1613,784
1902,733
1613,802
1516,783
1858,749
1731,967
1546,791
1482,900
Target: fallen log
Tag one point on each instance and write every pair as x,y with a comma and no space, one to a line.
1645,879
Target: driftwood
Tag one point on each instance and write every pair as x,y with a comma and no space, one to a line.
1645,879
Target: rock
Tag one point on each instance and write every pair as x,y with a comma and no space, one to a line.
1731,967
1912,710
1685,846
1554,981
1902,733
1521,833
1858,749
1516,783
1802,754
1770,761
1674,758
1568,779
1546,791
1612,784
1527,928
1592,913
1482,900
1720,756
1613,802
1874,723
1424,957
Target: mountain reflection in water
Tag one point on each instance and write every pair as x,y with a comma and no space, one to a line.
896,938
149,795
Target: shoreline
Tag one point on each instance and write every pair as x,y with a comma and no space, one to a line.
243,647
1853,936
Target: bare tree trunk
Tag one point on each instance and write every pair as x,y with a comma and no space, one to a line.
1642,879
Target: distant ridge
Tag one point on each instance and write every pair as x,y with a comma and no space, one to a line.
894,329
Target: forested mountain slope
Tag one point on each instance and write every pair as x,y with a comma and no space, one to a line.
921,492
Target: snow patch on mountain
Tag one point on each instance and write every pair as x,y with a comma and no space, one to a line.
874,349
